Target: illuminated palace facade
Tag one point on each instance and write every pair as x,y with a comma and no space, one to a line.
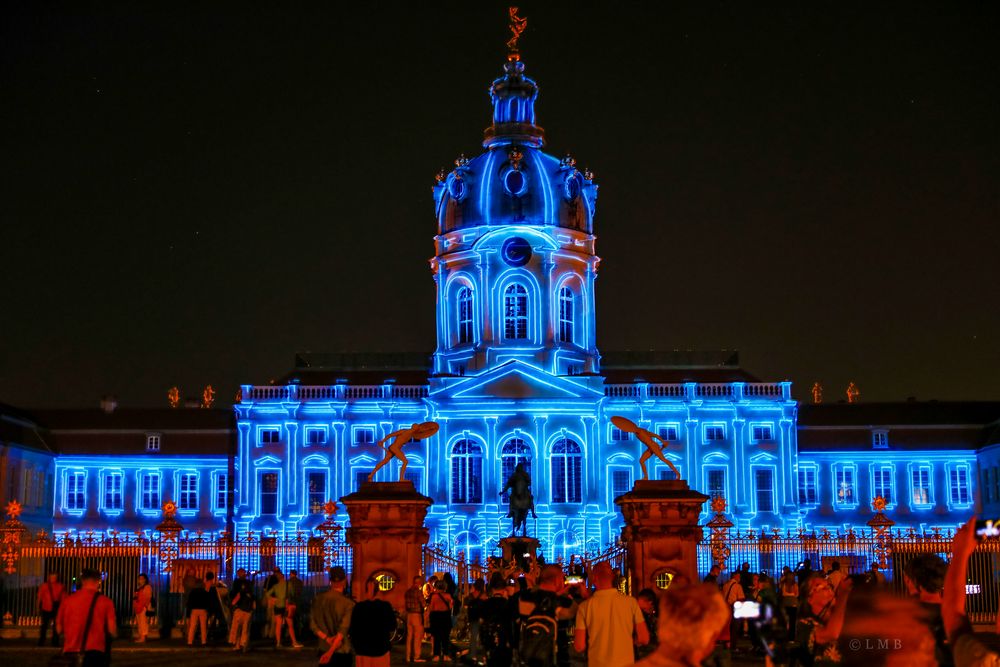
516,377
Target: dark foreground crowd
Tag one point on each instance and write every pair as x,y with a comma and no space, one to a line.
540,617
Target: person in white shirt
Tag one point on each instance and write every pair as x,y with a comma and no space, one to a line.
609,624
836,574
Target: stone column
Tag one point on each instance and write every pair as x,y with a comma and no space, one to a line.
387,533
661,530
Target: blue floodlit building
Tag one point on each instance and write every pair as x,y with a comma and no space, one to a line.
516,377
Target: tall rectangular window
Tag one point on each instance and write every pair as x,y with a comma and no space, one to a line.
269,436
714,432
221,491
268,494
113,491
76,490
153,442
958,485
515,312
762,433
666,474
621,482
188,498
763,479
149,491
844,486
882,483
920,485
464,315
716,478
807,486
360,477
565,315
316,489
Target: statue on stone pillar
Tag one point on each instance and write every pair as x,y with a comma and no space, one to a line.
395,450
521,500
654,444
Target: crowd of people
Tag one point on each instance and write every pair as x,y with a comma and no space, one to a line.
536,615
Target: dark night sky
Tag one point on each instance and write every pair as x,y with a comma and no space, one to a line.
191,194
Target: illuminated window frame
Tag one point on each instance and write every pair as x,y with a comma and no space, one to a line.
75,492
954,471
615,434
369,439
841,473
465,315
806,480
761,432
922,491
570,489
567,321
112,492
259,499
515,449
713,429
309,436
186,484
314,505
515,310
153,442
220,491
757,491
880,439
669,431
725,492
629,471
153,495
264,436
466,457
878,485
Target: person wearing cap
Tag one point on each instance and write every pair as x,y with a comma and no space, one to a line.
331,620
93,640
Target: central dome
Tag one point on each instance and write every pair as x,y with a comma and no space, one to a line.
514,181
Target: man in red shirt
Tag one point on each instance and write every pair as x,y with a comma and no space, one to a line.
50,594
72,619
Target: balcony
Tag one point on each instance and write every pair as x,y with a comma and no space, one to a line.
293,393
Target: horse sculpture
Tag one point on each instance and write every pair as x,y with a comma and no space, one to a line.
521,500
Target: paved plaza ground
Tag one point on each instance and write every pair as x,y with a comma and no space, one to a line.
22,653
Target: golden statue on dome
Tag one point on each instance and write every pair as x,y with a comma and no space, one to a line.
654,444
517,26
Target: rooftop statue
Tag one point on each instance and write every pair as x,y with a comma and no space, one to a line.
403,436
521,500
654,444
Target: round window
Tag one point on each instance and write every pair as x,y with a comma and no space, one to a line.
663,579
514,182
516,251
571,187
456,188
386,581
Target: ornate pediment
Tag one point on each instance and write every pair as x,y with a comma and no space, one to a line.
518,380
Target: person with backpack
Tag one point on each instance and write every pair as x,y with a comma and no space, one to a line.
142,606
607,623
496,621
373,622
546,610
86,621
440,604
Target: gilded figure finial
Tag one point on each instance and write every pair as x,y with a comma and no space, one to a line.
517,26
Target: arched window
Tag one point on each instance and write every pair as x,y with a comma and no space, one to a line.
515,312
567,472
470,544
565,545
466,472
565,315
464,315
513,452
